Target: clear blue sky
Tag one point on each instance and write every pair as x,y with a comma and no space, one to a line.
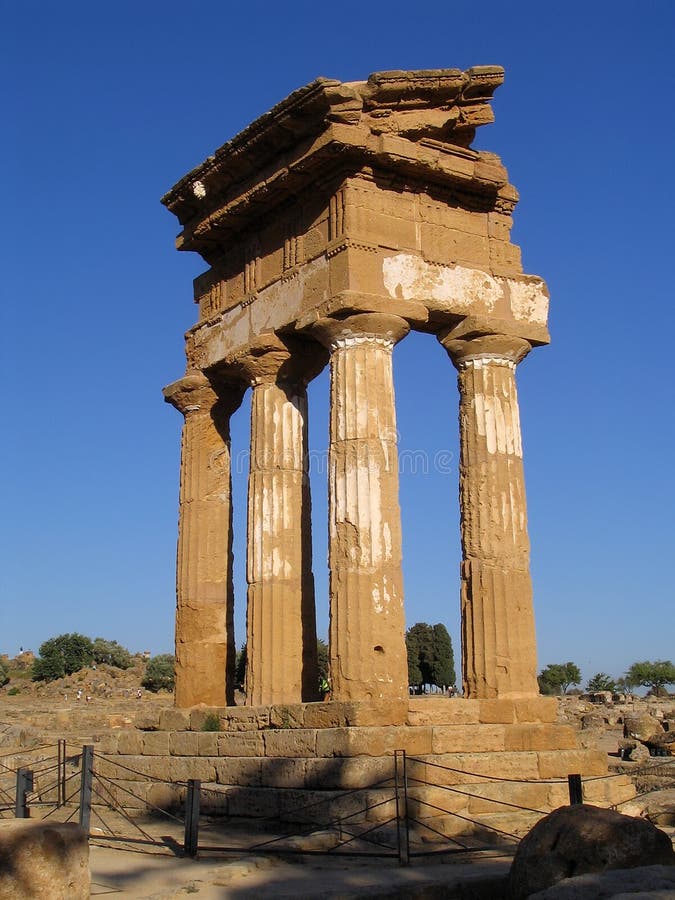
106,105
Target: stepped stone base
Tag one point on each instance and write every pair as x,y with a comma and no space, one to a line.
470,763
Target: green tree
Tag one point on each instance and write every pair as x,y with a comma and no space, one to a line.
655,675
4,673
112,653
625,683
159,673
556,678
63,655
601,681
240,667
443,664
322,658
430,655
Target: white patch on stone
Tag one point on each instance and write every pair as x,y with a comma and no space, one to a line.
409,277
377,604
199,190
529,301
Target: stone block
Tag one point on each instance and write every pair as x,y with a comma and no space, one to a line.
496,797
540,737
133,768
130,795
343,773
166,796
373,741
214,799
282,772
427,801
442,711
147,719
361,713
107,742
245,718
241,772
130,742
184,743
156,743
199,716
467,768
208,743
323,715
182,768
536,709
496,711
117,720
174,720
288,715
561,763
291,742
467,738
241,744
252,802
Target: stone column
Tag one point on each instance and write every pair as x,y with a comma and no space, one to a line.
498,636
281,616
205,650
368,659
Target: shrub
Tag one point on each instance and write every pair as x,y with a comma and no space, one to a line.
112,653
159,673
13,691
4,673
63,655
211,722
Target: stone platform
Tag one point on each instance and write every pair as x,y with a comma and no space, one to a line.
492,762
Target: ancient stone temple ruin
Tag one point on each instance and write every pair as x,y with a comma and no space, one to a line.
332,226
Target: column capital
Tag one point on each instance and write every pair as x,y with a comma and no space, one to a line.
471,349
272,358
194,393
375,328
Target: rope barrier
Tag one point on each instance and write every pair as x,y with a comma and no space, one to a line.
426,762
131,794
477,796
143,775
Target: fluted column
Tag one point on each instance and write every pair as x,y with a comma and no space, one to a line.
281,617
367,622
498,635
205,650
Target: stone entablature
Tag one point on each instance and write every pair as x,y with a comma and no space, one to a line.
333,225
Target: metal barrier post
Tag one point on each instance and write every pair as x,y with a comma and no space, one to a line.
86,781
191,841
402,826
575,789
24,784
61,783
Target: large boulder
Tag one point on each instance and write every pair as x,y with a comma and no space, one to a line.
641,727
574,840
40,860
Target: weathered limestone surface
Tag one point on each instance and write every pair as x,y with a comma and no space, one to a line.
281,619
40,860
498,637
346,216
367,621
205,651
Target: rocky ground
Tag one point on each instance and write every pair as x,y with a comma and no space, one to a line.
38,713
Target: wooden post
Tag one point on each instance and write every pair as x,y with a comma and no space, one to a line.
191,841
402,830
575,789
86,781
24,784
